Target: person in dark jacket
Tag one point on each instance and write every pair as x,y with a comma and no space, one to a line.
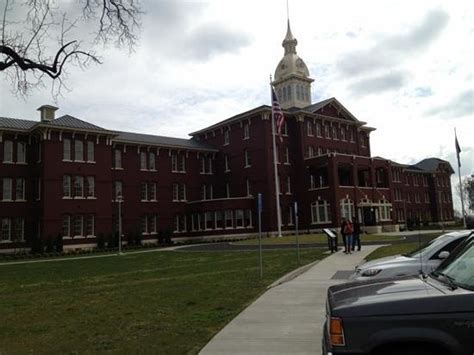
356,235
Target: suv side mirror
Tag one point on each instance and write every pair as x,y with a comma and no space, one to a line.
443,255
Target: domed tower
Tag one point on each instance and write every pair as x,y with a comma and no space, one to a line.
292,82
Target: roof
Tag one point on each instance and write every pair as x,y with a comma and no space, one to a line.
316,106
67,121
431,164
16,124
138,138
232,119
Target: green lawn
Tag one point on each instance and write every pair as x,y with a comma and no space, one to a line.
310,239
159,302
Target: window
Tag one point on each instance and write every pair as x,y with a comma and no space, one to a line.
246,130
20,190
320,212
326,131
351,135
118,191
66,186
6,229
143,192
152,191
7,189
347,209
21,152
90,192
343,134
248,219
385,210
179,192
318,129
334,132
175,192
66,226
309,151
182,163
142,160
8,152
206,165
174,162
90,225
226,163
362,140
152,224
19,235
227,190
78,226
239,218
144,225
309,128
78,151
117,159
229,219
218,218
285,128
78,186
90,152
286,156
226,137
67,149
248,161
288,185
151,161
249,193
427,197
209,218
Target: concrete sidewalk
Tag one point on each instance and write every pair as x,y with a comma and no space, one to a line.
287,319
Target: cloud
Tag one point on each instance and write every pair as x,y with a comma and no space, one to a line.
388,82
391,50
460,106
423,91
212,39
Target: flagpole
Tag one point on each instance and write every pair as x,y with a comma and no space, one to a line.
275,168
460,181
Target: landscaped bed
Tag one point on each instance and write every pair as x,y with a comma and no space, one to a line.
157,302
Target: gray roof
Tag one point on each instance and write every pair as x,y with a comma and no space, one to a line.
316,106
138,138
67,121
16,124
431,164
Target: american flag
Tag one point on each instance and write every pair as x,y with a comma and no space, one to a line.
458,148
277,114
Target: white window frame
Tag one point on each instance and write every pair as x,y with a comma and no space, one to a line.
6,225
315,215
117,159
67,149
90,193
80,185
152,161
248,162
20,193
246,130
143,161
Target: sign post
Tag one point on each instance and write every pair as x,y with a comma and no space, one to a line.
297,237
259,209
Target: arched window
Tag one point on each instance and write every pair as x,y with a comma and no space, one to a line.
320,212
347,208
289,92
298,93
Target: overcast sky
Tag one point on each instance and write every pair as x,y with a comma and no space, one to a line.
404,67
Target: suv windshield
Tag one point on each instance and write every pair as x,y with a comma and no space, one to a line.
431,245
460,271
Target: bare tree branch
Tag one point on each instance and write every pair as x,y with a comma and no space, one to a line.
25,44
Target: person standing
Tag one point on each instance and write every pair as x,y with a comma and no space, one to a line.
356,235
348,231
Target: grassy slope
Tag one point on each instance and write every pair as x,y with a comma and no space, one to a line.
166,302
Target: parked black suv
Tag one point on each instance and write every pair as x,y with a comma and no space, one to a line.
430,314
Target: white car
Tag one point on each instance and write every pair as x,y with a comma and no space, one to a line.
422,260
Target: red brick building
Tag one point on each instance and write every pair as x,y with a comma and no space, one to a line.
61,178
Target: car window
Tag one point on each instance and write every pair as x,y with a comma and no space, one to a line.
461,269
448,247
425,248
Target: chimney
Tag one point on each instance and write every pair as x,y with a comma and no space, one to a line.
47,112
